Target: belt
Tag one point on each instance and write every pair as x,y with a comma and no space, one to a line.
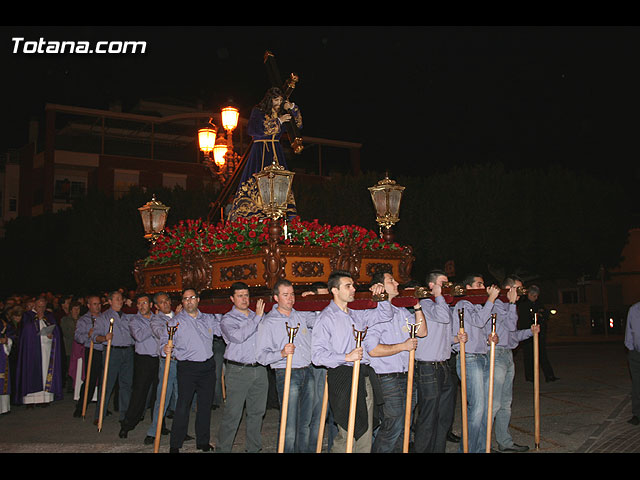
125,346
242,364
394,374
441,362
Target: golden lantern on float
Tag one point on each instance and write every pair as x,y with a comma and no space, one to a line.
386,196
274,185
154,217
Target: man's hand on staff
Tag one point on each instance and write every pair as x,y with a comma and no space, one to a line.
410,344
462,337
535,328
353,355
289,349
493,337
167,349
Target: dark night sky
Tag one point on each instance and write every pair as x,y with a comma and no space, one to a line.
432,97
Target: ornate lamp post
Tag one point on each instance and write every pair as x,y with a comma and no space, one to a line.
274,185
386,196
218,152
154,217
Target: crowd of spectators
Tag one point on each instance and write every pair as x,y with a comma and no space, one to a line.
66,309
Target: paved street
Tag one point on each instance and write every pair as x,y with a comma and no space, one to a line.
585,411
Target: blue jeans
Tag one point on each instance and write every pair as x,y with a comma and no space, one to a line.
170,395
436,405
389,437
299,411
503,373
477,395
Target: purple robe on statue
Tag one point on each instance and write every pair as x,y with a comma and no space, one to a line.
29,365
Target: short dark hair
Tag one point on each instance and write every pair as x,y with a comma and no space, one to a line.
315,286
378,277
190,288
238,286
433,275
334,278
281,281
469,279
510,280
141,295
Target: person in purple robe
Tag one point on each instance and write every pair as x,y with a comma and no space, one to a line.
39,366
7,342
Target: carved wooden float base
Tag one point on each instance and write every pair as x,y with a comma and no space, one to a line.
300,265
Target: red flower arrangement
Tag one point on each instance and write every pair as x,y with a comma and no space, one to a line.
252,234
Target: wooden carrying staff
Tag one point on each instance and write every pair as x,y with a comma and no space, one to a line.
291,332
359,336
463,386
104,378
163,392
87,375
323,415
492,361
413,328
536,385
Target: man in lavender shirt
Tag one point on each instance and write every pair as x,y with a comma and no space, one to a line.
196,374
145,364
632,342
121,355
333,346
504,369
388,345
246,381
273,348
476,317
434,382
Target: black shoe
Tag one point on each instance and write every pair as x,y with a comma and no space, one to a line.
551,379
634,420
206,448
165,431
187,438
77,413
174,450
453,438
514,448
123,433
169,414
149,440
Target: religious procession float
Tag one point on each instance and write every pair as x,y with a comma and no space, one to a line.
262,239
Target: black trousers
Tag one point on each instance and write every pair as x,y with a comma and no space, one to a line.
94,377
145,381
193,378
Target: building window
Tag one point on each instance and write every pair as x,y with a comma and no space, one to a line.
123,180
13,204
67,190
569,296
172,180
